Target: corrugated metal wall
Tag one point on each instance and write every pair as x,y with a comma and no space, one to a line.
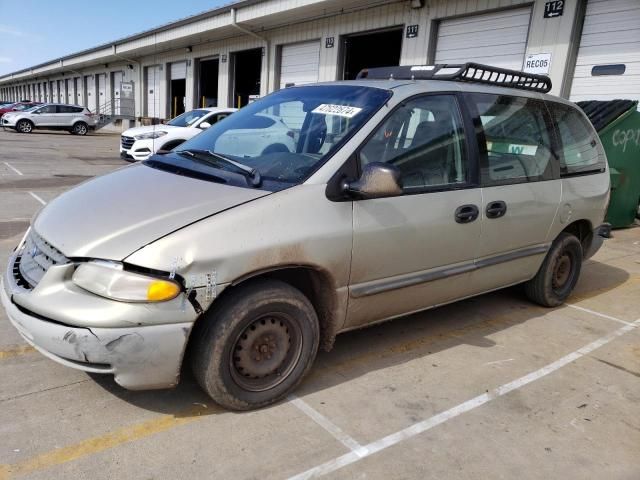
328,19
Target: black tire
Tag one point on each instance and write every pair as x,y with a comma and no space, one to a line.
558,274
80,128
24,126
256,345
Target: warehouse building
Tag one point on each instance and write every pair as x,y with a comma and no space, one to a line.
232,55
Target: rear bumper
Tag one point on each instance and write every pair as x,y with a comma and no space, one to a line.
598,236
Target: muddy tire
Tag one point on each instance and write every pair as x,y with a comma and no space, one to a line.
558,274
24,126
256,345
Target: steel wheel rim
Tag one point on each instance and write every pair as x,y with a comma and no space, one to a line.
266,352
562,271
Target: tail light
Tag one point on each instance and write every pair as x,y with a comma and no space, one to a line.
89,114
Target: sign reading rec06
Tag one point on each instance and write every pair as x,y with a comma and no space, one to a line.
539,63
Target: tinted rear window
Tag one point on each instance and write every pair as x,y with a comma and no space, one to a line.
579,152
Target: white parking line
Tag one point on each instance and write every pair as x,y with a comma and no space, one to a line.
598,314
329,426
429,423
37,198
13,168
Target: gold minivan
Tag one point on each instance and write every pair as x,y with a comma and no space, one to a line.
406,189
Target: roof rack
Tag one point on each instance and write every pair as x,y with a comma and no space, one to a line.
464,72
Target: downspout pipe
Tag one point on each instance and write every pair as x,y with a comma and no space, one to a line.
255,35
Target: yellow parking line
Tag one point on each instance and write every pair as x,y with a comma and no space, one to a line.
14,352
103,442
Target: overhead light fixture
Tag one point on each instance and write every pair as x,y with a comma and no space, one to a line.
188,49
417,3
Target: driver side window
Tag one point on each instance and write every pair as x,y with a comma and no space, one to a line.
424,139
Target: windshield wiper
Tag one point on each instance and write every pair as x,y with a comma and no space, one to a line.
249,172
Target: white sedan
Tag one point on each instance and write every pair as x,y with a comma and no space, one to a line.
141,142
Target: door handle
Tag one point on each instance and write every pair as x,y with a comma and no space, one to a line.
466,213
496,209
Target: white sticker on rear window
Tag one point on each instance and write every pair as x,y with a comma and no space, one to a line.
338,110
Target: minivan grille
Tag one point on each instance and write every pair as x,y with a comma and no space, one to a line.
127,142
36,258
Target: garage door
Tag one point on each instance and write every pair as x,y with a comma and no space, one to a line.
102,92
90,92
611,43
178,70
153,91
498,39
299,63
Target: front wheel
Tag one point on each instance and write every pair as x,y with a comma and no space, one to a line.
80,128
256,346
24,126
558,274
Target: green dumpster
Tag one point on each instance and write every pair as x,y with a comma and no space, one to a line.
618,125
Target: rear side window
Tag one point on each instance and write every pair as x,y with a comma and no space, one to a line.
514,140
69,109
577,138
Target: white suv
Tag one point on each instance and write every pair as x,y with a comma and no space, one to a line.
52,116
142,142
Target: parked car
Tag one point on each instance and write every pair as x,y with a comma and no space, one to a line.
141,142
16,107
400,195
51,116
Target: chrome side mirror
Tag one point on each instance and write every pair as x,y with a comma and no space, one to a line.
378,180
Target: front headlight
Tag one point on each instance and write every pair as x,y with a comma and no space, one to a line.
150,135
108,279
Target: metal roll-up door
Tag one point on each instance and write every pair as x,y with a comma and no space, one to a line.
117,87
153,91
90,89
71,94
610,42
497,38
102,92
299,63
178,71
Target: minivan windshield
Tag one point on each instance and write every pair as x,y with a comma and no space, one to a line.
282,138
188,118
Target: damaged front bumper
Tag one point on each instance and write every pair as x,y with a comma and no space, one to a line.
140,344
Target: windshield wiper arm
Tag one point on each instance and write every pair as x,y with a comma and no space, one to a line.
247,171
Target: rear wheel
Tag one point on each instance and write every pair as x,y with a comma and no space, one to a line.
24,126
558,274
256,345
80,128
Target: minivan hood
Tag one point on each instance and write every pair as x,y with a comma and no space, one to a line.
112,216
132,132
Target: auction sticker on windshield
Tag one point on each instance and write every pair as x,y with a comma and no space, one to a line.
338,110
